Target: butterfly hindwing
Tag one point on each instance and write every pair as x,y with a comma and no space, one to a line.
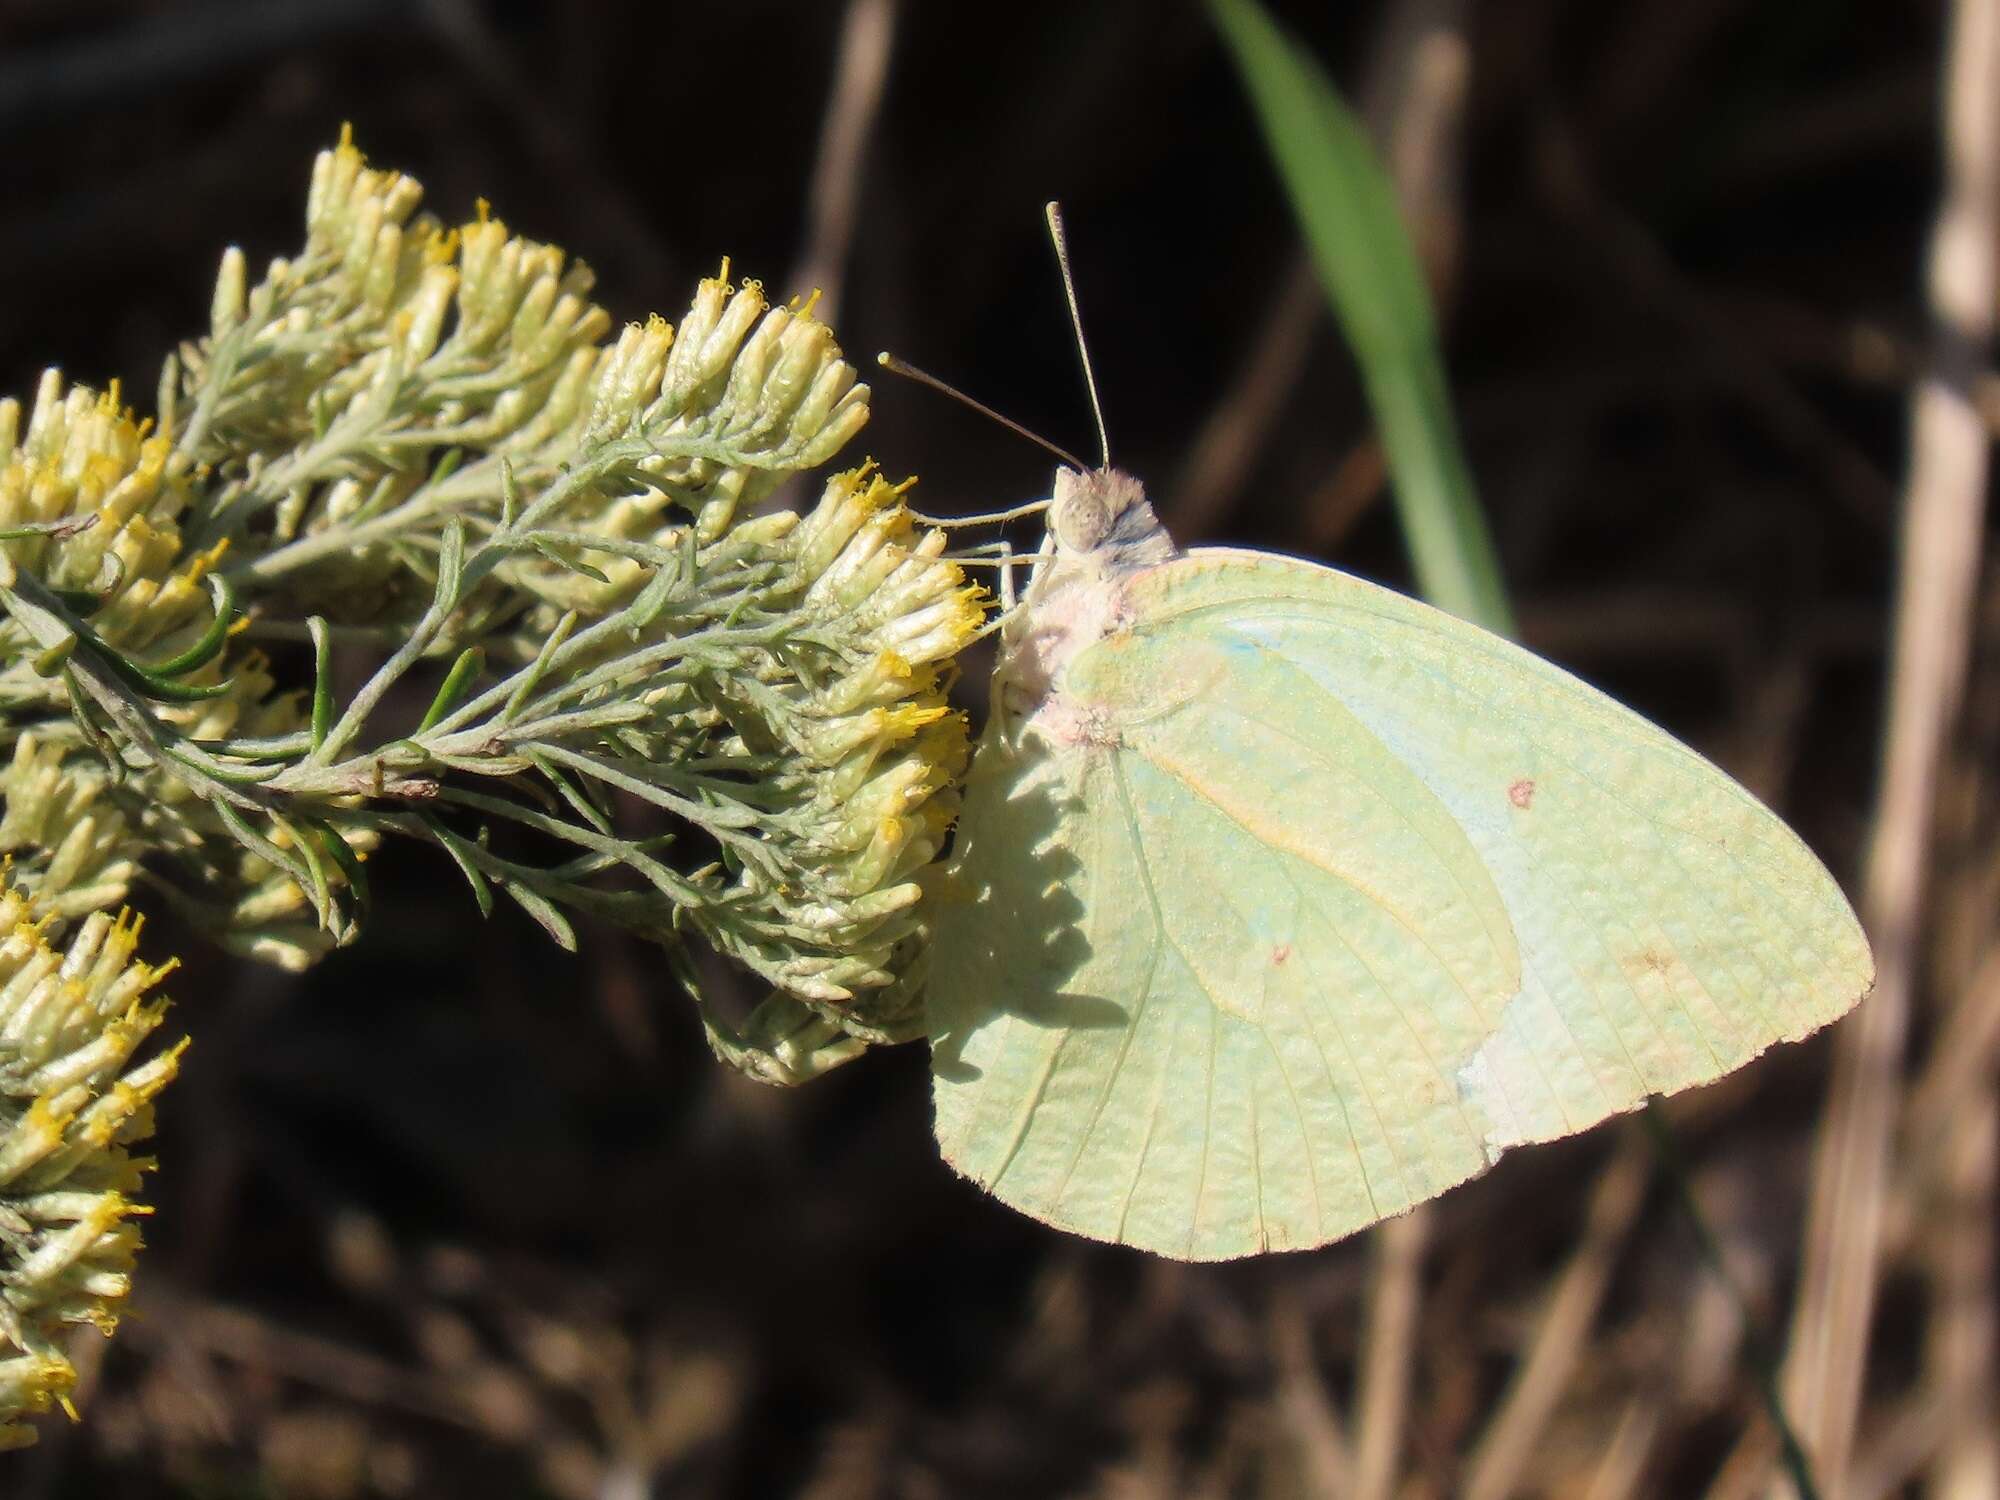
1339,898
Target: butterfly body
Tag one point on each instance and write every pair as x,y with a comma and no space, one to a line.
1101,534
1281,902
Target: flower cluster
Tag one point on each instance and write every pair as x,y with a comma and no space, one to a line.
90,501
422,445
398,375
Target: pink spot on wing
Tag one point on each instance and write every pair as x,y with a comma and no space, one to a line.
1521,793
1280,953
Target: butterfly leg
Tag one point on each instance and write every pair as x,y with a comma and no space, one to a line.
999,556
1006,574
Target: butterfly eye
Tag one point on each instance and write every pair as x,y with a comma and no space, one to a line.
1081,520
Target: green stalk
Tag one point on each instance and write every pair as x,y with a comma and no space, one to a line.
1347,210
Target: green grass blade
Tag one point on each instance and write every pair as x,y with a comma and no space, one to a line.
1365,261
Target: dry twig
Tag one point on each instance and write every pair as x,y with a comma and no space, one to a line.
1943,510
1387,1346
1501,1456
867,35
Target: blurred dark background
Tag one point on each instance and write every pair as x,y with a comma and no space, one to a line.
458,1215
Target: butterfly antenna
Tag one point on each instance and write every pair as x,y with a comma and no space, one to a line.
909,371
1054,212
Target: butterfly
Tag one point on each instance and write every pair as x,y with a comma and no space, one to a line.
1281,902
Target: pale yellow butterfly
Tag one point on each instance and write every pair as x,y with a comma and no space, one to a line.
1281,902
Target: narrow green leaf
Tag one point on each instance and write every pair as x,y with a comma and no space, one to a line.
258,844
322,699
320,890
543,911
482,892
510,496
530,676
450,564
589,811
86,723
571,564
1347,209
205,650
654,597
163,690
338,849
471,662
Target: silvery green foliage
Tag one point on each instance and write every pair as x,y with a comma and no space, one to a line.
421,448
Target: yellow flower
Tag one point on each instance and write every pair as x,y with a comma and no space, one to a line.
100,498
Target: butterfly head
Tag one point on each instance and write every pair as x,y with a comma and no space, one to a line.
1093,509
